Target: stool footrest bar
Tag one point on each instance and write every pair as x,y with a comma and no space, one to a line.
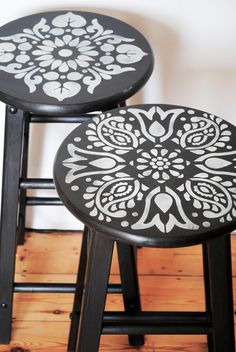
56,288
156,323
156,317
37,183
151,329
61,119
43,201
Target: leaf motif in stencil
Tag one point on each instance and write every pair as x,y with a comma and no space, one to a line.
61,91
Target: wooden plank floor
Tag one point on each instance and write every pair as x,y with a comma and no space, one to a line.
170,279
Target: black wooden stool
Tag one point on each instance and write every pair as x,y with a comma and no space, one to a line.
55,67
153,176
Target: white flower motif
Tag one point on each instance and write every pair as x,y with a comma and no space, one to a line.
160,164
66,51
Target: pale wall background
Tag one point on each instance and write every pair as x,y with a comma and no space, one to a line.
194,43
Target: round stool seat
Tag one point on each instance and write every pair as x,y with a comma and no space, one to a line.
154,175
71,62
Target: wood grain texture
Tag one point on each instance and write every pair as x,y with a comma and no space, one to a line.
170,279
51,337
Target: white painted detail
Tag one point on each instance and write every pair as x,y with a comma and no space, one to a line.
151,167
66,50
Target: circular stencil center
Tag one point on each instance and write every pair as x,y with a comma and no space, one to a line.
65,52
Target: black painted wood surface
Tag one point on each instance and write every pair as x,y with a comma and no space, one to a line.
58,63
154,175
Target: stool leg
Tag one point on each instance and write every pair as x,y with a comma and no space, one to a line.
219,293
130,286
9,212
22,197
207,292
97,275
78,294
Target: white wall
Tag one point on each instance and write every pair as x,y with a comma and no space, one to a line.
195,51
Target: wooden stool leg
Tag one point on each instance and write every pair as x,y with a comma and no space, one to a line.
22,197
78,293
130,286
9,212
219,293
97,275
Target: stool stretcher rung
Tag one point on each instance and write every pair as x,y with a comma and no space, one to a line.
61,119
37,183
156,323
56,288
51,230
43,201
151,329
149,317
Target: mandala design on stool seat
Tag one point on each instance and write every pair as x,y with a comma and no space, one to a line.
67,54
154,167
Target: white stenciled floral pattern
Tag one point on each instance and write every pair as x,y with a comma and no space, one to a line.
215,196
79,160
67,54
203,133
109,197
157,167
113,134
167,202
159,124
161,164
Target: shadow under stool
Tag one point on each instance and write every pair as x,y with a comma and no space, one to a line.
153,176
57,67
